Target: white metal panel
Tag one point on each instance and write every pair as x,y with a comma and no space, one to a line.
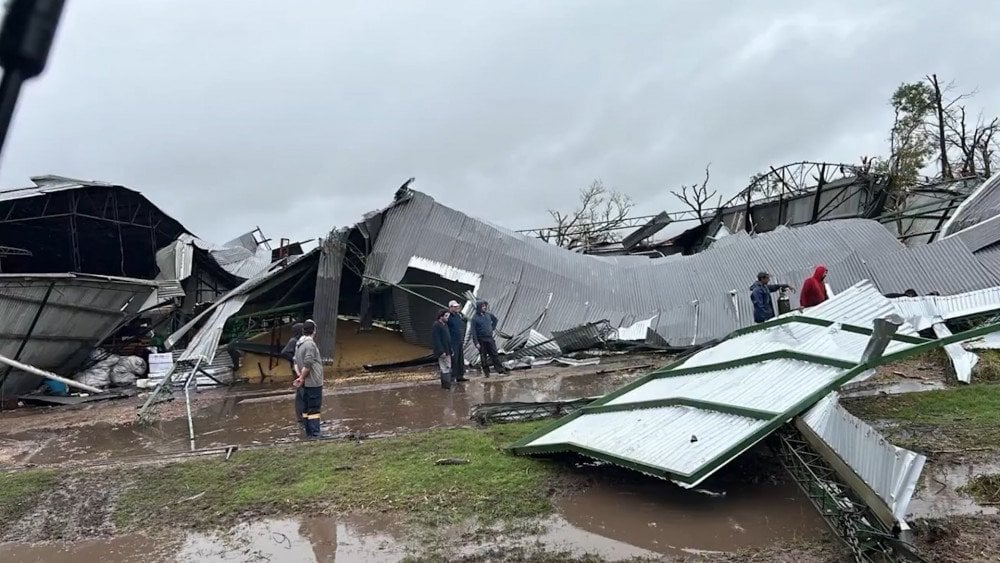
773,386
925,311
830,342
891,472
961,359
659,437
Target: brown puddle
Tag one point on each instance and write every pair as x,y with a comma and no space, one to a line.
660,517
376,410
638,517
938,494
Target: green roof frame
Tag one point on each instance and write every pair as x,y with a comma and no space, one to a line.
773,420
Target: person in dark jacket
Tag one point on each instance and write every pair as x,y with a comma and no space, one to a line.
456,328
483,325
288,352
760,296
441,339
814,288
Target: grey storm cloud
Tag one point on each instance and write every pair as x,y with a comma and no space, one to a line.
300,116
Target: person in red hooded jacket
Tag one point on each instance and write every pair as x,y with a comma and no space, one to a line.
814,288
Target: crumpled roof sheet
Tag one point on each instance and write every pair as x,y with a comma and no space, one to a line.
731,396
175,260
925,311
890,471
519,272
983,204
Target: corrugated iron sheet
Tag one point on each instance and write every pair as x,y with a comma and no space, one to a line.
78,312
890,471
642,437
518,271
745,377
983,204
925,311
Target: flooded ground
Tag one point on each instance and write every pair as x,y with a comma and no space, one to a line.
938,494
635,517
364,410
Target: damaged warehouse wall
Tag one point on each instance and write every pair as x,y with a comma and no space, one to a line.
326,302
694,298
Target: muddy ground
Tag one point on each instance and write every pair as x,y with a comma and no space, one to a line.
91,474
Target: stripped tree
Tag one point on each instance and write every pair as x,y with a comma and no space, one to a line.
697,196
598,218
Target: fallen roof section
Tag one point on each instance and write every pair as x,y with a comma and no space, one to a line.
686,421
889,472
983,204
692,299
51,321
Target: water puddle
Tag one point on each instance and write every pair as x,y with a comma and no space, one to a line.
894,388
376,410
636,517
657,516
938,494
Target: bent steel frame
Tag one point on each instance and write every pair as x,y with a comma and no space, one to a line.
766,423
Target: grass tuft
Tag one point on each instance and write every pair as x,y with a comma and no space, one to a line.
20,491
394,474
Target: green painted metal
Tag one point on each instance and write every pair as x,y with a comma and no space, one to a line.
774,422
683,402
804,319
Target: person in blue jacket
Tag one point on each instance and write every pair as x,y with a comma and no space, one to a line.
483,325
760,296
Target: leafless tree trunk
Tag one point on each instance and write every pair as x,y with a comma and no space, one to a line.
942,140
600,214
696,197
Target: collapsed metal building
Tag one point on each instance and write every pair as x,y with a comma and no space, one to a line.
81,259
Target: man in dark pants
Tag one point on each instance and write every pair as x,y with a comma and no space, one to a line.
483,325
310,364
760,295
442,347
456,328
288,352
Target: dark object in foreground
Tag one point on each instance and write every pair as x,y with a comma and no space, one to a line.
451,461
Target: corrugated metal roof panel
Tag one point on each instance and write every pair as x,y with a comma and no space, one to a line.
773,386
657,437
983,204
890,471
981,235
923,312
587,288
77,314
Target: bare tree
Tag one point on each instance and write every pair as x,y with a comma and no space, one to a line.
696,197
942,140
601,213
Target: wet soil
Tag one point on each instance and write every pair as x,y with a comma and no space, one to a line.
608,514
252,419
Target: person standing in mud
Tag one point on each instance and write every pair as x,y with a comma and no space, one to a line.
441,340
484,324
456,328
310,366
288,352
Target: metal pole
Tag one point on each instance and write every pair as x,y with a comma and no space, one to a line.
49,375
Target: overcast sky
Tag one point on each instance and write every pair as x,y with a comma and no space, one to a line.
299,116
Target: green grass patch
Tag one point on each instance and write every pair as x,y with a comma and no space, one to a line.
954,418
988,368
20,491
984,488
394,474
971,403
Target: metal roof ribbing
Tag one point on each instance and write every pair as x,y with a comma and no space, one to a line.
981,235
585,288
772,386
924,312
890,471
983,204
769,372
